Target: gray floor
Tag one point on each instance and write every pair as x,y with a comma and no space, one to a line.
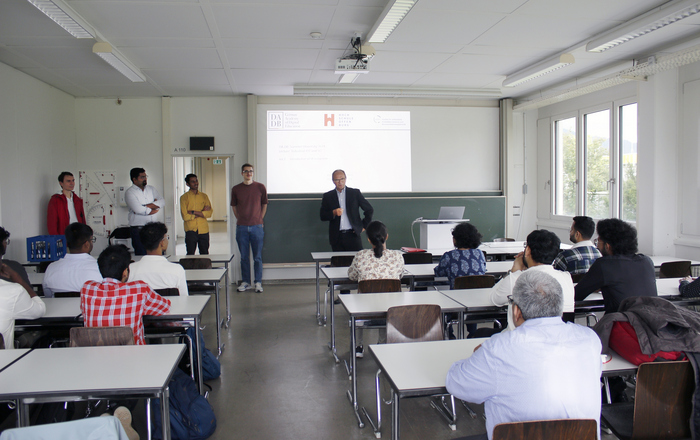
279,380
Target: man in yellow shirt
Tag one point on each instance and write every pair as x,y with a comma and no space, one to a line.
195,208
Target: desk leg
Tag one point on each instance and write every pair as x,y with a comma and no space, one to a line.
198,349
331,345
460,332
318,294
353,377
22,413
165,412
149,421
394,415
218,320
227,321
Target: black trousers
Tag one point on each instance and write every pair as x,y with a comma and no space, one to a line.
136,241
347,241
194,239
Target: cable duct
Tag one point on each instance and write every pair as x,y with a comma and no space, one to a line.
640,71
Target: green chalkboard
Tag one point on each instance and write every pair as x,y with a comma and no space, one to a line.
293,228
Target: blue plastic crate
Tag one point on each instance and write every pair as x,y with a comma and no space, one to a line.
46,248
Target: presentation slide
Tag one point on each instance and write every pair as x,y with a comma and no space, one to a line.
304,147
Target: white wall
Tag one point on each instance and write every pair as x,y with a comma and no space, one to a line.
37,143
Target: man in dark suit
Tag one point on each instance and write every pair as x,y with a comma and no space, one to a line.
341,207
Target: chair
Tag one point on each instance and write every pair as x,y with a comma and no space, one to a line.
662,403
417,258
674,269
475,282
66,294
502,240
100,336
379,286
198,263
564,429
42,266
2,342
123,233
412,323
168,291
577,277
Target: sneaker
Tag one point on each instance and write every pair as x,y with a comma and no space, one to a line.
243,287
359,352
124,416
258,287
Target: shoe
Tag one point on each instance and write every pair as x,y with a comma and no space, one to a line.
124,415
336,301
243,287
359,352
258,287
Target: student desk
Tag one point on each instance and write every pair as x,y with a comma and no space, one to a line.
419,368
182,308
135,371
9,356
224,259
423,272
319,257
376,305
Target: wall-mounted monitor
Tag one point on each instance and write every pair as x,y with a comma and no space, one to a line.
199,143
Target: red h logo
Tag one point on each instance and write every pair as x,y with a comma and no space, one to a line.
327,119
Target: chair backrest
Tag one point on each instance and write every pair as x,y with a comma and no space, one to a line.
414,323
474,281
417,258
42,266
98,336
66,294
674,269
195,263
663,400
120,233
564,429
577,277
168,291
502,240
377,286
2,342
342,260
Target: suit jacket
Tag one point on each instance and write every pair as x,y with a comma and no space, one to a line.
354,200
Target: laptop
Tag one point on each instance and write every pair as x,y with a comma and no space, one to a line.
451,213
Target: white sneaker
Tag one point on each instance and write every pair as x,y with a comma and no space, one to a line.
258,287
124,416
243,287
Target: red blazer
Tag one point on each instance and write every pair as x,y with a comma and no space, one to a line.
57,218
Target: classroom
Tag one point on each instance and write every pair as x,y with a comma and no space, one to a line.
220,68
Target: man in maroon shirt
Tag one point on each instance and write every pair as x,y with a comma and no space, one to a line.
249,204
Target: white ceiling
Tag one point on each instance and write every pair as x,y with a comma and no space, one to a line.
263,47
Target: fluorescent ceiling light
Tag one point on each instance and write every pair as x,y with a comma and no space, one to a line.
394,92
655,19
391,16
348,78
539,69
65,17
118,61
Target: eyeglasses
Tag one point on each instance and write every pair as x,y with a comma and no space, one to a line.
93,239
339,180
248,171
525,245
7,241
510,300
595,242
166,237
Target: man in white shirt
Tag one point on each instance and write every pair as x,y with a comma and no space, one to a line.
72,271
144,203
17,301
544,369
153,268
541,248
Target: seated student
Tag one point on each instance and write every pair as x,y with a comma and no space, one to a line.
114,302
72,271
541,248
544,369
467,259
583,253
154,268
14,265
17,301
378,263
689,287
621,272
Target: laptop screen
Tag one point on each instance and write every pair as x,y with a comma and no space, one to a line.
451,213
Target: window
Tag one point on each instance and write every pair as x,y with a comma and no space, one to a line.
602,156
565,167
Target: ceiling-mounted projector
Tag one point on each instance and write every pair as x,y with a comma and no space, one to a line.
352,65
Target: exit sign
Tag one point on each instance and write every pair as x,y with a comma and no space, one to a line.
218,161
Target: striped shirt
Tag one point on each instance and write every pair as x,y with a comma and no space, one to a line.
578,259
111,303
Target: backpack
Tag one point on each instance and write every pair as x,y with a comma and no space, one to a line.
191,415
623,339
211,367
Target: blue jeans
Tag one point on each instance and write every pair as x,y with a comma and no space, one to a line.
249,237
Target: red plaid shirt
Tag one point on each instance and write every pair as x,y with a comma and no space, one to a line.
113,303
